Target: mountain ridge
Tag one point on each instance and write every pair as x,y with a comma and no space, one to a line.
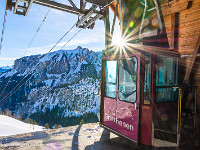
67,79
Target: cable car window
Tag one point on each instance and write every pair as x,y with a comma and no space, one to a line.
111,79
166,79
128,79
147,80
164,71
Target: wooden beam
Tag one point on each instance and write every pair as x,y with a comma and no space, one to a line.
170,30
189,69
175,6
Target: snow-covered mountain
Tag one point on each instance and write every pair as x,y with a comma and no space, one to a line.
10,126
5,68
64,82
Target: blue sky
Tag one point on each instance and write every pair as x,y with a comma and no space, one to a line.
19,31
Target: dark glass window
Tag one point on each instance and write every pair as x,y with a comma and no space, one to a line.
165,71
147,79
128,79
166,79
111,78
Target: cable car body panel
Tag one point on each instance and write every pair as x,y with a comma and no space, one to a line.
120,115
154,112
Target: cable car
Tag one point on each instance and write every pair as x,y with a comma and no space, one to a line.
140,76
141,66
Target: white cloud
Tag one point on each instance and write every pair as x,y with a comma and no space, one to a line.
75,43
8,58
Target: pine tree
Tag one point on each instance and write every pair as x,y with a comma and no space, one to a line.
82,122
59,126
14,116
19,117
56,126
46,126
28,120
8,112
35,123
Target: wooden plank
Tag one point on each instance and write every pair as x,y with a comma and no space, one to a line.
176,6
186,18
193,59
189,29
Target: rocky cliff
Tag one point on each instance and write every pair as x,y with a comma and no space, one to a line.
63,83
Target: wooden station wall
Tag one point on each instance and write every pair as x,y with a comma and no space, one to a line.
182,22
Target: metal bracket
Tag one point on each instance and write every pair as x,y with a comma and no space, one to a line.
87,21
88,17
72,3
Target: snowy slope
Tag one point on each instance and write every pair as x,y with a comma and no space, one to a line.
5,68
10,126
61,84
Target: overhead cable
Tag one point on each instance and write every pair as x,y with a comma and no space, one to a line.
2,34
27,48
9,95
13,90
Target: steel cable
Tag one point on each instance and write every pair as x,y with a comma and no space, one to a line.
27,48
2,34
13,90
9,95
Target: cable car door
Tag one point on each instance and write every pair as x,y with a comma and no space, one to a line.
126,121
165,113
109,97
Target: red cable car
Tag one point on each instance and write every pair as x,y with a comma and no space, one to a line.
140,76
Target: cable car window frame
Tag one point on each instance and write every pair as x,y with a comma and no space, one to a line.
113,83
135,80
174,84
150,56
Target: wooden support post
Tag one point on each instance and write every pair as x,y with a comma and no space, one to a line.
189,69
170,29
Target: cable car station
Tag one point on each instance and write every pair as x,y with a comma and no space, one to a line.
150,77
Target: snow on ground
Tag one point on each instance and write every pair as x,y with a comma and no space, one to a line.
10,126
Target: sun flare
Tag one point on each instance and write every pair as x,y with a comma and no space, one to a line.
119,41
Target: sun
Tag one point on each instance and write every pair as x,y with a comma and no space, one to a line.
119,41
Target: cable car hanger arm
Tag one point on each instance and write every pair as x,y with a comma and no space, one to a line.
47,3
87,16
59,6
